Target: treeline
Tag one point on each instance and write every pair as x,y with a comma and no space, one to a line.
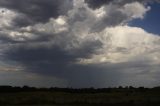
80,90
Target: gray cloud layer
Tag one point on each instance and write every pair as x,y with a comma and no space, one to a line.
86,43
34,11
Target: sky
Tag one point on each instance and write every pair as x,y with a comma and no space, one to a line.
80,43
150,22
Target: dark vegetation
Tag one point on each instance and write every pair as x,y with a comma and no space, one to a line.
127,96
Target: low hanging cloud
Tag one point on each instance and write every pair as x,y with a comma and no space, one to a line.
86,43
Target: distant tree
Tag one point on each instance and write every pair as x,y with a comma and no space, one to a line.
131,87
120,87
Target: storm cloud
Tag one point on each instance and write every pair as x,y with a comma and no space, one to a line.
35,11
84,43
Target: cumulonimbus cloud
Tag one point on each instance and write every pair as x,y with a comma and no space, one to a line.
78,40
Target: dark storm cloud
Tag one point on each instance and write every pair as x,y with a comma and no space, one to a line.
45,49
57,62
34,11
52,60
41,60
4,38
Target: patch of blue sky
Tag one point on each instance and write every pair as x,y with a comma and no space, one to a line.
151,21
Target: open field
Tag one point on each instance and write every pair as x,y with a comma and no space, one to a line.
79,97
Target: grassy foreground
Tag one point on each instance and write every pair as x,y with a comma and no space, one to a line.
79,97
